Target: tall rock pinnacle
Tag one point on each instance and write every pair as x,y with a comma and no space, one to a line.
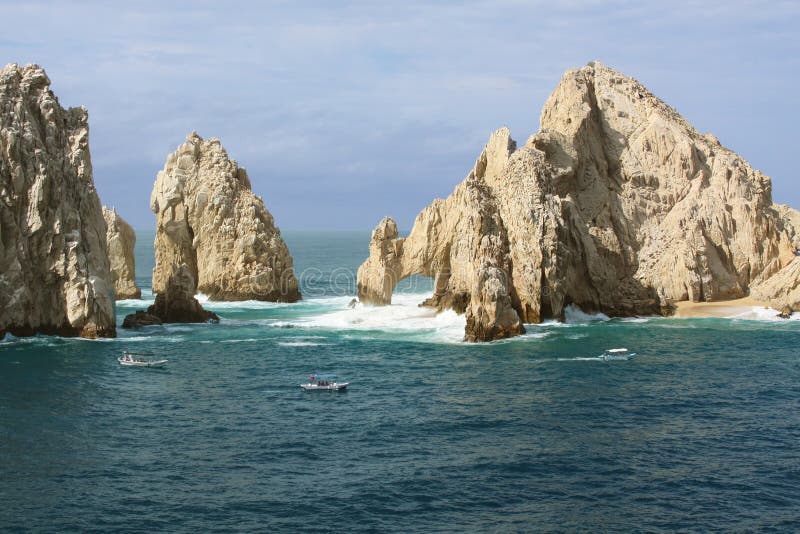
54,270
209,221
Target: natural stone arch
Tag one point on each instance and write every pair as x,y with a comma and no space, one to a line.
617,205
462,244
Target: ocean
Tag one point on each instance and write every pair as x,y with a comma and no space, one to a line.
699,432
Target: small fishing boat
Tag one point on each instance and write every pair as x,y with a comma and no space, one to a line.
136,359
617,354
324,382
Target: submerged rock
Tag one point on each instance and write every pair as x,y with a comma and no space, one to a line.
617,205
121,240
54,269
140,318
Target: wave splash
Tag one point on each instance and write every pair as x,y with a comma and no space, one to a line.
404,316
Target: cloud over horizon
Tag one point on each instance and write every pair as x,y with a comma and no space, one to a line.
343,114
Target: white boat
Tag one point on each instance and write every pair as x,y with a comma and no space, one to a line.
324,382
133,359
617,354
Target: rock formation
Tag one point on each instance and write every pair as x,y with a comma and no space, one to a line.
140,318
177,304
617,205
120,240
54,270
209,220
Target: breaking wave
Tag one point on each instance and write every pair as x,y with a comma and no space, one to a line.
403,316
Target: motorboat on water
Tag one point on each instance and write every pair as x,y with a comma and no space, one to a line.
617,354
324,382
137,359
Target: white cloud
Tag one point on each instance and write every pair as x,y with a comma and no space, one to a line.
323,95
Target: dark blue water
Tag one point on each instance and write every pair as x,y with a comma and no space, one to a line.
699,432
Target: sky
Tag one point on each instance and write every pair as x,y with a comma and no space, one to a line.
344,112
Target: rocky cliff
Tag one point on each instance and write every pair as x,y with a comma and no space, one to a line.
209,221
54,271
617,205
120,240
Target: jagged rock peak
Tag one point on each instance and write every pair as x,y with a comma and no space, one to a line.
121,240
617,205
54,270
209,220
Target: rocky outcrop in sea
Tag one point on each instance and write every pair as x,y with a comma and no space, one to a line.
618,205
177,302
214,230
54,271
121,240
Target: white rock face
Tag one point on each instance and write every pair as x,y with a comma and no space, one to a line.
209,221
120,240
617,205
54,270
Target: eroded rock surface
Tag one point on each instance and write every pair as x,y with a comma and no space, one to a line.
121,240
209,221
177,303
617,205
54,270
139,319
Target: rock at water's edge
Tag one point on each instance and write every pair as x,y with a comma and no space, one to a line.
617,206
54,269
209,220
120,241
140,318
177,304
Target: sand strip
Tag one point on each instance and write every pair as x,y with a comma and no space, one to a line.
743,308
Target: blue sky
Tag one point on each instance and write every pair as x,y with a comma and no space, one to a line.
344,112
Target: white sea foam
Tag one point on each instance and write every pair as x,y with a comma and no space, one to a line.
178,327
635,319
339,301
577,336
403,316
277,324
9,338
760,313
239,304
136,303
574,315
154,339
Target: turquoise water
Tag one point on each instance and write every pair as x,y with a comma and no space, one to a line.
699,432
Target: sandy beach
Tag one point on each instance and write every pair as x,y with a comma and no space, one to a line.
744,308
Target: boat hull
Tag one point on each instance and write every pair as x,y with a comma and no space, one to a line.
330,387
157,363
611,358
